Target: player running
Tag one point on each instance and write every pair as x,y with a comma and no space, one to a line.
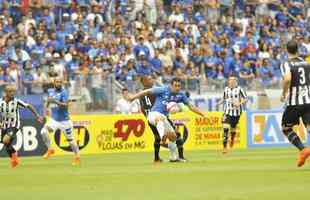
296,93
146,103
233,99
10,120
158,116
57,100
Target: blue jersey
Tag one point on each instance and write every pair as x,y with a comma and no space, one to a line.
163,95
59,113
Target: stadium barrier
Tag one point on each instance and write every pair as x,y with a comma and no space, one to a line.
28,142
264,129
97,134
130,133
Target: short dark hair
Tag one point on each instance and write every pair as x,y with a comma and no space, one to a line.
124,89
175,79
292,47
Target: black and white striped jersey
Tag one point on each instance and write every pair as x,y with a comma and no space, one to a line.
299,89
9,112
230,96
146,103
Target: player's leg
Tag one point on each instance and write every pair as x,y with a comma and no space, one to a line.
179,142
172,146
157,140
233,127
289,119
305,153
8,137
164,129
49,127
67,128
226,128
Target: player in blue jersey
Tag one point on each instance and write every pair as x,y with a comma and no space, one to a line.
57,101
158,114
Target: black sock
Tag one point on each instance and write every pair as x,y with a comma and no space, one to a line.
10,149
225,137
179,143
156,150
295,140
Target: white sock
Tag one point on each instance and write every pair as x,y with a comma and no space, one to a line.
75,148
45,137
160,126
172,146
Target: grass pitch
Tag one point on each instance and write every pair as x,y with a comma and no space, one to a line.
242,174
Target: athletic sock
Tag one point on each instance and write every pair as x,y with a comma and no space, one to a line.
172,146
10,149
179,143
233,135
156,150
295,140
46,139
74,148
225,137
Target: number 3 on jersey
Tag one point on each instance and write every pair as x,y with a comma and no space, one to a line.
302,76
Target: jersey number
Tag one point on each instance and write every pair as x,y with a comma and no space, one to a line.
302,77
147,101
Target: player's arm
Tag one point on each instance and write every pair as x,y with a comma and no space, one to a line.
132,97
63,102
244,97
195,109
31,108
221,101
287,77
286,84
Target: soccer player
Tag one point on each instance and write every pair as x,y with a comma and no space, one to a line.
233,99
146,103
296,93
10,120
158,116
57,100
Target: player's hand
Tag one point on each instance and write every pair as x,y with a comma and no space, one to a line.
129,97
283,98
50,100
40,119
237,103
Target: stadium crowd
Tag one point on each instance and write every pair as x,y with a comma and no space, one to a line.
86,42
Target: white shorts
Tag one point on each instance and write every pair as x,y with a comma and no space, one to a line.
154,117
65,127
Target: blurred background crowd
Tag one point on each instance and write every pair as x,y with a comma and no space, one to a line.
100,47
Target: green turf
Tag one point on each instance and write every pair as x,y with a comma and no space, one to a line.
248,174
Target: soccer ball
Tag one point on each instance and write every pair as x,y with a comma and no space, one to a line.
173,107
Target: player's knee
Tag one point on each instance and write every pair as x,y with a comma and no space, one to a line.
172,136
286,130
6,140
226,126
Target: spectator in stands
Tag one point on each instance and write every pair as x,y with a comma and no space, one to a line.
39,80
123,106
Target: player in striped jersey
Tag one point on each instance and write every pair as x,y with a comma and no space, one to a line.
296,94
10,120
233,99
